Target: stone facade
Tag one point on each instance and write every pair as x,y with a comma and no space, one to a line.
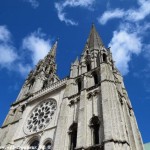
89,110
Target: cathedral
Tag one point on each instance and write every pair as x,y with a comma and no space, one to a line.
89,110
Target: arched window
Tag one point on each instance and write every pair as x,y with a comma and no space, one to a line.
45,84
104,57
48,145
34,145
31,83
46,68
23,108
73,136
95,124
79,83
14,111
96,78
88,65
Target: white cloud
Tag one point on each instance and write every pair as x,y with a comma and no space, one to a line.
111,14
140,13
7,51
7,55
34,3
60,6
24,69
123,46
78,3
5,35
127,39
37,45
62,15
132,15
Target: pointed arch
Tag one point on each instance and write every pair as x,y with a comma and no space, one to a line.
73,136
95,125
48,144
33,143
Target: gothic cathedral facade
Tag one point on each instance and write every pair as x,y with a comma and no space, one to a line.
89,110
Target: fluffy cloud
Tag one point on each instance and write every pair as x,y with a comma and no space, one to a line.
7,56
60,6
123,46
140,13
111,14
5,35
62,15
132,15
127,39
80,3
24,69
37,45
7,51
34,3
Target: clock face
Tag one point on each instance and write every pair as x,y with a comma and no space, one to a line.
41,116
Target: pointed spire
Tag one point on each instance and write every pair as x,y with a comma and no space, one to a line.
94,41
53,49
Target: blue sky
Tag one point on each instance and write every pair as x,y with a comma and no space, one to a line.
28,28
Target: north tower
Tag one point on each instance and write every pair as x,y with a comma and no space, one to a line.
89,110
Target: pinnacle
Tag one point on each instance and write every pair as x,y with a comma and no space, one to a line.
76,61
53,49
94,41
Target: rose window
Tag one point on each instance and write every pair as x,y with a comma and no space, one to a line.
41,116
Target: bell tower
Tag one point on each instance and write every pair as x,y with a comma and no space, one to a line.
42,76
96,113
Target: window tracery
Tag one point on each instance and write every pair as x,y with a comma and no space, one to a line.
41,116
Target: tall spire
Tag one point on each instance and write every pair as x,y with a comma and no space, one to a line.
53,49
94,41
43,75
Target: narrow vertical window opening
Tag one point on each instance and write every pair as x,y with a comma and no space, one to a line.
23,108
73,136
79,82
88,67
95,124
104,58
31,83
96,79
45,84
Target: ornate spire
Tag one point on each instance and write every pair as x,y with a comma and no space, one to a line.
94,41
53,50
44,73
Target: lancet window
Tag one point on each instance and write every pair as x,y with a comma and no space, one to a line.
73,136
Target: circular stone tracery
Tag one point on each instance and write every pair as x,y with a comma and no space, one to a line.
41,116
